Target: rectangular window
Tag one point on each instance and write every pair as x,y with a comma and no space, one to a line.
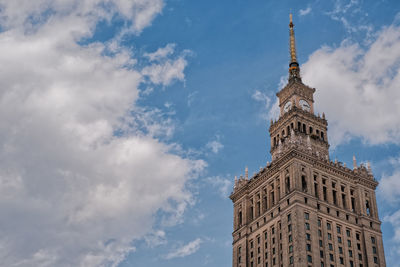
308,236
339,239
306,216
329,236
328,226
289,218
348,232
309,258
330,246
307,226
373,240
338,229
350,253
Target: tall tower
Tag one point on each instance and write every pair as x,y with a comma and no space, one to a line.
303,209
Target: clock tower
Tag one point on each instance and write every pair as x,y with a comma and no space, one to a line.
297,123
302,209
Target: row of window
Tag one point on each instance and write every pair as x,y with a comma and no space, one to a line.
301,127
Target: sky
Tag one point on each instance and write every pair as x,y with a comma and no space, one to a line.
124,122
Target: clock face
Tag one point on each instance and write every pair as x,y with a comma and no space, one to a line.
287,106
304,105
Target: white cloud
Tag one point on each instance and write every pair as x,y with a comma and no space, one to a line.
215,146
270,111
72,192
185,250
304,12
166,72
161,53
358,88
223,185
262,97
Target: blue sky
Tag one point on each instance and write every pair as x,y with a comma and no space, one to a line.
123,123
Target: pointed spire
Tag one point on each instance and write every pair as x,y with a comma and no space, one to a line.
354,162
246,173
294,70
369,167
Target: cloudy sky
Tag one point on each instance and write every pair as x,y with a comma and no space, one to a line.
123,122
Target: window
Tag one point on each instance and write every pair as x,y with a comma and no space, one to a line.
374,250
339,239
306,216
289,218
319,222
328,226
350,253
358,246
290,238
303,183
258,239
360,257
309,258
330,246
357,236
338,229
290,248
321,253
319,232
291,259
375,260
308,236
320,243
289,228
251,244
340,250
329,236
331,257
307,226
341,260
351,264
308,247
348,232
349,243
373,240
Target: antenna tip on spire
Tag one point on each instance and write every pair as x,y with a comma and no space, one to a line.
291,17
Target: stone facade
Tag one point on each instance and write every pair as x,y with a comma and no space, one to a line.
303,209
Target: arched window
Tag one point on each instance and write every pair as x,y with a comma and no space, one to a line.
287,182
303,183
299,126
304,128
368,208
311,130
322,136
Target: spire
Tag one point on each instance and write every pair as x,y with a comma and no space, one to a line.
354,162
246,173
294,70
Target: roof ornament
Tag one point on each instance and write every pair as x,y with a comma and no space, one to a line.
354,162
246,173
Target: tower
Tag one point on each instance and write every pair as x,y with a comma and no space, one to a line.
303,209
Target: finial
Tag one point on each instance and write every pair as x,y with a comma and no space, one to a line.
369,167
354,162
344,165
294,70
323,115
236,181
246,173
